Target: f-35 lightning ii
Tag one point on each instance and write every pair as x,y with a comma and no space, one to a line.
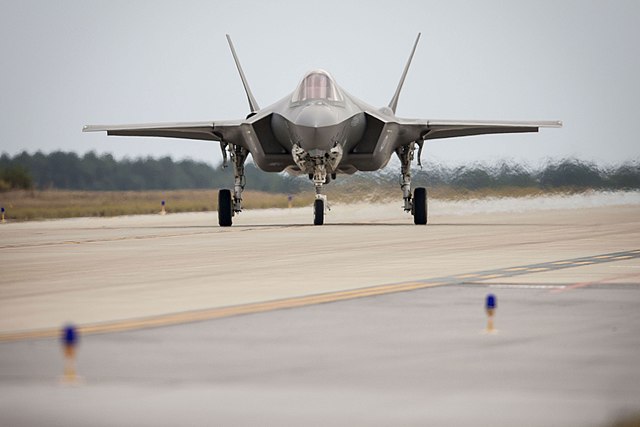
321,130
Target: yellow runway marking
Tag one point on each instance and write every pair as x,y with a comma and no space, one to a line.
516,269
216,313
583,263
489,276
535,270
562,262
465,276
623,257
603,257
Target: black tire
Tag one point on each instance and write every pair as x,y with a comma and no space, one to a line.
225,208
420,206
318,212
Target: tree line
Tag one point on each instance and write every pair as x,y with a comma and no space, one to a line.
67,170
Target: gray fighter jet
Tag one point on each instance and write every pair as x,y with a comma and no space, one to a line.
321,130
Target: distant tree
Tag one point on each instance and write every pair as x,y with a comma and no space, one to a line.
624,177
513,175
571,173
472,178
15,177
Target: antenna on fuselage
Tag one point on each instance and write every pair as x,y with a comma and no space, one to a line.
394,101
253,105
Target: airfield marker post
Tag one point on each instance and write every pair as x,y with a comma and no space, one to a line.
490,305
2,220
69,338
162,211
290,199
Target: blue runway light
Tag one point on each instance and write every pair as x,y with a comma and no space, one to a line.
491,302
491,309
70,336
2,210
163,203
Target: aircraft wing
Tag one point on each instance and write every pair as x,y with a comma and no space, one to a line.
212,131
436,129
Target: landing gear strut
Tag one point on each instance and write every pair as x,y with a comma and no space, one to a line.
319,179
405,154
228,206
417,204
238,156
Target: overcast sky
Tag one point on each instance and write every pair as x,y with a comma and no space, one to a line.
69,63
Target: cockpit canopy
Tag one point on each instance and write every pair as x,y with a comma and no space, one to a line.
317,84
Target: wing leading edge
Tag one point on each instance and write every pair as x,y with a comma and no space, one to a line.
417,130
452,128
210,131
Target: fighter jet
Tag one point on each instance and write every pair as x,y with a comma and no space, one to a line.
321,130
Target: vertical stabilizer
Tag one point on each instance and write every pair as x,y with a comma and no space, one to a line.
253,105
394,101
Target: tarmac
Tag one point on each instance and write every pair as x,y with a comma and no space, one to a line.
367,320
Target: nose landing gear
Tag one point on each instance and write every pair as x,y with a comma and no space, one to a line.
320,203
318,212
321,167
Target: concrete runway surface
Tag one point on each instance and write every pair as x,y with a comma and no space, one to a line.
368,320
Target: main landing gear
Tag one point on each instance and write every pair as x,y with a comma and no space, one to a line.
225,208
417,204
419,210
228,204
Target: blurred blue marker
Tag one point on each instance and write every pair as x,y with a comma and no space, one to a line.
70,336
491,305
2,214
69,339
491,302
162,212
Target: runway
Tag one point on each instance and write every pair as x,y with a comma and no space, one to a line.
366,320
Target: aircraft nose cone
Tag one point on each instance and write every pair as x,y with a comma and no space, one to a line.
318,127
315,141
317,115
